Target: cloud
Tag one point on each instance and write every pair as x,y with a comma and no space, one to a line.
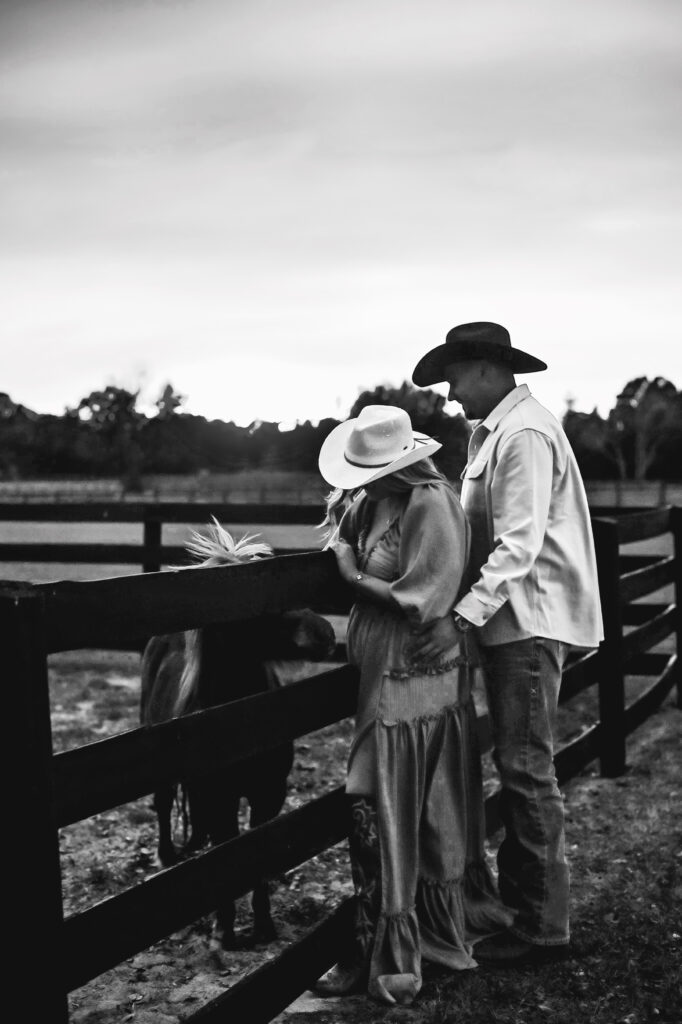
181,178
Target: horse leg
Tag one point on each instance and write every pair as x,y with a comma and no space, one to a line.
266,803
223,825
200,795
163,805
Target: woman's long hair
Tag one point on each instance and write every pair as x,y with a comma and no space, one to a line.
340,500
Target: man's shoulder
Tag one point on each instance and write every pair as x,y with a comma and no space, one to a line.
531,415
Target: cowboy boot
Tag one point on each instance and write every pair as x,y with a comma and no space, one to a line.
350,973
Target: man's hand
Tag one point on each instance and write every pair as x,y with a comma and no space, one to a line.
434,640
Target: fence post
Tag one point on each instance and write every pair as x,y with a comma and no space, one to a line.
676,527
611,661
151,557
34,868
662,493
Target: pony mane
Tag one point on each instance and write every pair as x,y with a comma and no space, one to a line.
213,548
218,547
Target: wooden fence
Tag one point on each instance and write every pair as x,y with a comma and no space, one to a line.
151,554
49,955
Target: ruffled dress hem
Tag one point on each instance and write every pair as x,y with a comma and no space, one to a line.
443,927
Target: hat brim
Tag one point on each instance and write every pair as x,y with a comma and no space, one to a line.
338,472
431,368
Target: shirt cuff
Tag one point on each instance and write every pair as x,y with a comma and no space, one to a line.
473,610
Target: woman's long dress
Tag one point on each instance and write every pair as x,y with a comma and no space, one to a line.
416,750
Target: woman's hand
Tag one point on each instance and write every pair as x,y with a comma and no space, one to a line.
345,559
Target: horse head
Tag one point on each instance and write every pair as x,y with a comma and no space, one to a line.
214,548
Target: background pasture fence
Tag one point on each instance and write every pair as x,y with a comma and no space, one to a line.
52,790
151,554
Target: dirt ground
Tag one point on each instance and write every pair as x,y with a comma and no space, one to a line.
625,848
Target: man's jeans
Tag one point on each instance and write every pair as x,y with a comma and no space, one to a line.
522,682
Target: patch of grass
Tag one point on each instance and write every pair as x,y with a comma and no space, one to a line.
626,951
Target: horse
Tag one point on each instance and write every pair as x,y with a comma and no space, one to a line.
201,668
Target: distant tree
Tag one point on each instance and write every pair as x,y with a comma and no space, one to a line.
595,444
646,414
667,463
168,402
112,414
426,410
264,438
299,448
66,445
18,431
640,438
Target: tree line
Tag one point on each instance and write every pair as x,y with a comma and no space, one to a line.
107,435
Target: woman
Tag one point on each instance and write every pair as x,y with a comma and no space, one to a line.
414,778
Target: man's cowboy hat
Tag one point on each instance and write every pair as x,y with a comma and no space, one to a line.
377,442
479,340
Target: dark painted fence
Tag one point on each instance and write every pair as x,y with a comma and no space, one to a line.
48,791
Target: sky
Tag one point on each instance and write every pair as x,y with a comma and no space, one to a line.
275,204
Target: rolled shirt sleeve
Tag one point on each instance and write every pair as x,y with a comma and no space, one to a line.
433,554
521,492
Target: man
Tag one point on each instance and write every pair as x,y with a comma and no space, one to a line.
534,597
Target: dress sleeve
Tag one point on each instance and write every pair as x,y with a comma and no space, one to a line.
432,555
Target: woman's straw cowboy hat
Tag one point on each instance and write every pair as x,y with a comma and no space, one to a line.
481,340
377,442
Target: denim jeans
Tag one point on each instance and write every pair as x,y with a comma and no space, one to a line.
522,682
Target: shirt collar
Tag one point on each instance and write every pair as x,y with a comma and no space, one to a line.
506,405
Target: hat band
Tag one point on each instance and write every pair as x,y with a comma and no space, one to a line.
380,465
368,465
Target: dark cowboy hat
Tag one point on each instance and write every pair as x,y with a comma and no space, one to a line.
479,340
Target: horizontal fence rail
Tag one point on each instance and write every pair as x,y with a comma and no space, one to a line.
648,579
99,938
649,634
637,712
150,553
96,777
132,608
161,512
643,525
263,994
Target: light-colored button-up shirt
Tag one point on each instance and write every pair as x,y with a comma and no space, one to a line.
531,546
